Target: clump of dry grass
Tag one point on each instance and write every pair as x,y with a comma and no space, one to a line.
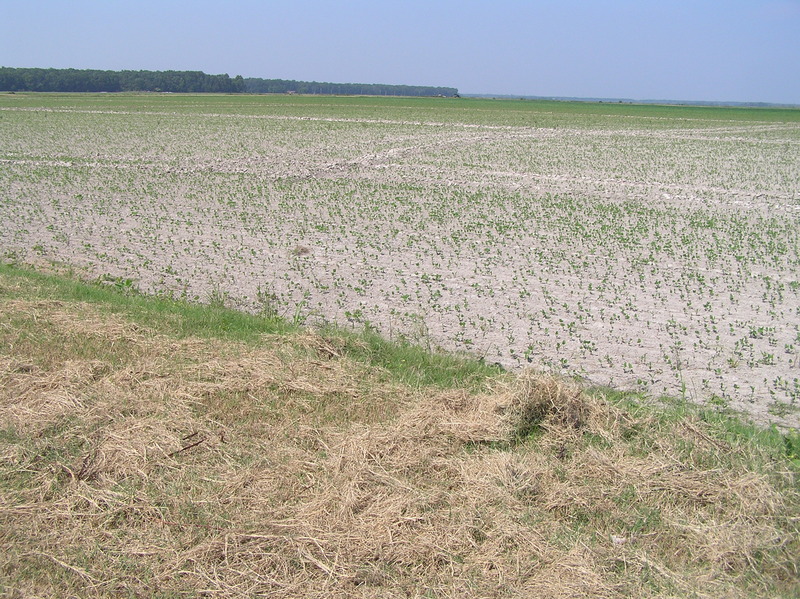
519,406
542,401
162,467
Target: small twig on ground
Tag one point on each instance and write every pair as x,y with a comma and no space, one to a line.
195,444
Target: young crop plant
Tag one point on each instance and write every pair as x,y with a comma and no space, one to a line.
656,247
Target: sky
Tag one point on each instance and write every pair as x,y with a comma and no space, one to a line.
721,50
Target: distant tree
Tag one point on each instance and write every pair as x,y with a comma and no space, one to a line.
90,80
256,85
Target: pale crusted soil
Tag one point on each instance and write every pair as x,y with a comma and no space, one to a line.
664,260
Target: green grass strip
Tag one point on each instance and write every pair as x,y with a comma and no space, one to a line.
407,363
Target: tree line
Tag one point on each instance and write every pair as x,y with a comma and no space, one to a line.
92,80
254,85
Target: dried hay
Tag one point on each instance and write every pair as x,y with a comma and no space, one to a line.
559,407
77,319
166,473
32,398
576,573
325,347
513,410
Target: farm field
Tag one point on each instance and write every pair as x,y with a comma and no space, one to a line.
648,248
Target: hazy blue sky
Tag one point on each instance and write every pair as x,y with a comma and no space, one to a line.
643,49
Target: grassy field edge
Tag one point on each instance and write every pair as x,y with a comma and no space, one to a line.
157,448
407,363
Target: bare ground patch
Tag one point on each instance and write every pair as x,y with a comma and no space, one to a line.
645,253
